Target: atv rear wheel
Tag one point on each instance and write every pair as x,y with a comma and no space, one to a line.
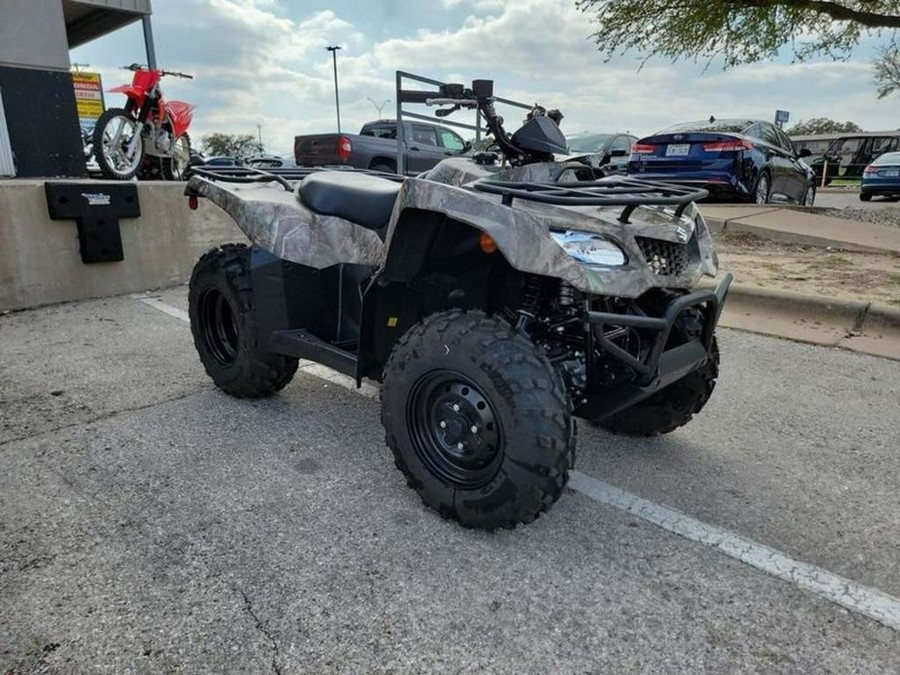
670,408
226,333
478,420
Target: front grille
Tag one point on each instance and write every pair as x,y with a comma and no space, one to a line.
664,257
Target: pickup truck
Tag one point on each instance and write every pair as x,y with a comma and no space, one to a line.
375,147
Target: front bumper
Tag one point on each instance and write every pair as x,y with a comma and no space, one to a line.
660,367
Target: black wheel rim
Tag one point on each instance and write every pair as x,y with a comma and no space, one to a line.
219,326
454,429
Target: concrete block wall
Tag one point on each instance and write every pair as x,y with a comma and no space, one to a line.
40,262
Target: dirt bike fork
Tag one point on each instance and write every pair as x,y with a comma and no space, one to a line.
149,102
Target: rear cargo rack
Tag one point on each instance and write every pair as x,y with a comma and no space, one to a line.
287,177
613,191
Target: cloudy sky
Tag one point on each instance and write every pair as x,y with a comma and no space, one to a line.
263,62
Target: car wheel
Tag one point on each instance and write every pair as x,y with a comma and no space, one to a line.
865,197
478,420
383,168
762,189
810,196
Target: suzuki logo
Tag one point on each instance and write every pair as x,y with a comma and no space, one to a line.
682,234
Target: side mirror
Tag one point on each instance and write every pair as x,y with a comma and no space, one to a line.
805,152
467,146
618,153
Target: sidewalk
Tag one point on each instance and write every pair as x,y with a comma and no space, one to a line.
866,327
782,223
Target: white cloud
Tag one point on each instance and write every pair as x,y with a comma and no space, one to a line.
264,62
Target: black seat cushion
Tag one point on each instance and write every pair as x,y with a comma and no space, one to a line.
360,198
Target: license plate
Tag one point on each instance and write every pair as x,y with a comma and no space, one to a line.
678,150
893,173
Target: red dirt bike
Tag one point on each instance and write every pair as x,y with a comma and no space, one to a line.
148,135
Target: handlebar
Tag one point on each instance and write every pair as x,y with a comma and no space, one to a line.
135,67
461,102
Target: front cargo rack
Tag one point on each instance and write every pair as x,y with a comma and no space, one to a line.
612,191
284,176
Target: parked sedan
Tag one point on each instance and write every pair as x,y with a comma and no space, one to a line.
881,177
735,159
606,154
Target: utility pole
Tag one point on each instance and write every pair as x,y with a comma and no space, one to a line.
337,100
378,107
259,133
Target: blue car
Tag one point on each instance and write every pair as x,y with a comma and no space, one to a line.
881,177
734,159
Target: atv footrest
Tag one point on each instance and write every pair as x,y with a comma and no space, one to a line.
302,344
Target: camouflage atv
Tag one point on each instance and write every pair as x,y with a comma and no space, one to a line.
493,301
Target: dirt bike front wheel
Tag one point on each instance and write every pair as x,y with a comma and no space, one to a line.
118,147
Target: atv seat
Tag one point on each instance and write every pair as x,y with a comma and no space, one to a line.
360,198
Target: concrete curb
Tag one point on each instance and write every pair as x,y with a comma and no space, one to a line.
866,327
737,226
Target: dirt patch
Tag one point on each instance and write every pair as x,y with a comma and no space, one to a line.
871,277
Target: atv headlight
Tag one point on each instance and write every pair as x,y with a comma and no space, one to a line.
590,249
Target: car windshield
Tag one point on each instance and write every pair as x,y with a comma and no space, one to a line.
588,142
717,126
888,158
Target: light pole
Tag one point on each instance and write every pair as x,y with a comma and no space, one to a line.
337,100
379,108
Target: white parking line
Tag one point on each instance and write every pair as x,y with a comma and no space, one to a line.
855,597
163,307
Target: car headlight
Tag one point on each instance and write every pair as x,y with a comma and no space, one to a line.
590,249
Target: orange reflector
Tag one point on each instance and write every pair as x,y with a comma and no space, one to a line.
193,202
487,244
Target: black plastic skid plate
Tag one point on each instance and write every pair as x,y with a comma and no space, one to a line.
96,209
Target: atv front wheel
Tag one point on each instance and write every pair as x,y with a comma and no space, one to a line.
671,407
226,333
478,420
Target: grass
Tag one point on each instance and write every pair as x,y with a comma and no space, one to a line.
894,278
830,262
844,182
772,266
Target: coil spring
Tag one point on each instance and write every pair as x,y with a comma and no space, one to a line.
531,296
566,295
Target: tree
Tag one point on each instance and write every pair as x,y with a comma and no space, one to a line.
746,31
230,145
822,125
887,72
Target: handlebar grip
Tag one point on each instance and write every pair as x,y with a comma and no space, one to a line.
452,101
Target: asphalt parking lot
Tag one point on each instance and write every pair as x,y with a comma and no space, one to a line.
149,523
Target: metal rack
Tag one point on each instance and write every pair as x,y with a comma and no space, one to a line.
627,192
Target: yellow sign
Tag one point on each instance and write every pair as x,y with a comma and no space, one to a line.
88,95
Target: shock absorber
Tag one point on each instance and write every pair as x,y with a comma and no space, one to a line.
566,296
531,302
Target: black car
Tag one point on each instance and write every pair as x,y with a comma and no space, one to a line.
735,159
606,154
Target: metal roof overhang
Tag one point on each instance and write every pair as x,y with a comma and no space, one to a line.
87,20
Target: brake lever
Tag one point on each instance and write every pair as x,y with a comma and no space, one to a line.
443,112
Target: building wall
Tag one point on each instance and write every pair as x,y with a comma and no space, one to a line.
36,85
33,35
42,122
